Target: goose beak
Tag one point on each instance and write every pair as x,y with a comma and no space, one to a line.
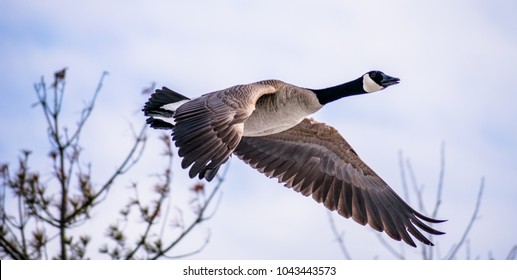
388,80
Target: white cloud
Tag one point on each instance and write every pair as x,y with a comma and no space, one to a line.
455,60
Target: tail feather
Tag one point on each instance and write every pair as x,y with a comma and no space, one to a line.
161,106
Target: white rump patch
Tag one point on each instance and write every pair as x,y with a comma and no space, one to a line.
174,106
370,85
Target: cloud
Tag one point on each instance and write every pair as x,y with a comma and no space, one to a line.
455,60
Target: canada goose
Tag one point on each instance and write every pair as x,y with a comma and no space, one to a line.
265,125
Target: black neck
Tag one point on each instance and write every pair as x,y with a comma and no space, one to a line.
330,94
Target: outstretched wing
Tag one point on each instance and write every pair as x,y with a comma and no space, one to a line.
207,129
314,159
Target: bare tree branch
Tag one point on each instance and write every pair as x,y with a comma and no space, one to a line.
11,250
454,249
197,251
163,191
199,219
403,177
418,190
129,159
440,182
23,233
86,112
339,237
434,251
393,251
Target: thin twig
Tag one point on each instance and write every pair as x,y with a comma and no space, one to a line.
438,202
419,195
199,218
440,182
390,249
85,114
11,250
417,190
21,214
41,93
166,214
51,221
155,214
218,202
403,177
339,237
197,251
455,248
120,170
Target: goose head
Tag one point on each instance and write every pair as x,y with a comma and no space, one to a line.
370,82
376,80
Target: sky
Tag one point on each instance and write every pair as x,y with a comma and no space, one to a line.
456,61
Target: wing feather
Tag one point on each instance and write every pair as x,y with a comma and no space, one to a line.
314,159
207,129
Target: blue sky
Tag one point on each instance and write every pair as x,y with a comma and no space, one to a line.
456,61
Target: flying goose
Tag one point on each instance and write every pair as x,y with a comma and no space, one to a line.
265,124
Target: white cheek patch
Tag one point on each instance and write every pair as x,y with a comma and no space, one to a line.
370,85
